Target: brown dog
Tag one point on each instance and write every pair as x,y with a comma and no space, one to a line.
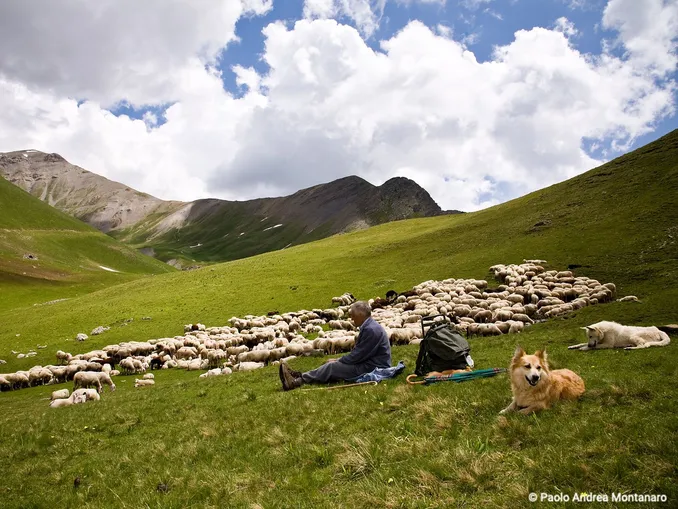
535,387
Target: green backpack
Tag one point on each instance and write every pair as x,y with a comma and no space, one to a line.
441,349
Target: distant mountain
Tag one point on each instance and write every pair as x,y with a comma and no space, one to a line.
102,203
212,229
46,254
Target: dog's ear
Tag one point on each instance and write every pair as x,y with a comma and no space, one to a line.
595,329
541,354
518,353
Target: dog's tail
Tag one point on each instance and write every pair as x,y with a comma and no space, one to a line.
665,339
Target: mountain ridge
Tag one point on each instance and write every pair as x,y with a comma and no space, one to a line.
213,226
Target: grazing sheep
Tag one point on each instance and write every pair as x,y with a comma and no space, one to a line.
340,324
63,357
17,380
402,336
488,329
502,315
614,335
143,383
86,379
60,394
255,356
38,375
525,293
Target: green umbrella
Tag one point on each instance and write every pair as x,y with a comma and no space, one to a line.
462,377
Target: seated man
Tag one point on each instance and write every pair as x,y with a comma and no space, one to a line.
372,350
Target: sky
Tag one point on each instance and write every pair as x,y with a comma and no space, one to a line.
478,101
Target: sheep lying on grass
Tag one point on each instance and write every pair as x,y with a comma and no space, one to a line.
143,383
61,394
216,372
345,300
248,366
89,394
73,399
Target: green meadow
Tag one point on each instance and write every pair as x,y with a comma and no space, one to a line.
239,441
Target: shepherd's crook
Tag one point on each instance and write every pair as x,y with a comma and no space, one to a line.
372,382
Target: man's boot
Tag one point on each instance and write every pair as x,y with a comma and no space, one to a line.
290,379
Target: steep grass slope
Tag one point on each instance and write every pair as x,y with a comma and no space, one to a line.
47,255
238,440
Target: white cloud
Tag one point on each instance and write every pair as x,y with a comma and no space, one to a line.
648,30
258,7
494,14
576,4
366,14
110,50
320,8
566,27
425,2
474,4
472,133
471,39
444,30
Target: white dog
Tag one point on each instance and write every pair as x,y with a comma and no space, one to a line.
614,335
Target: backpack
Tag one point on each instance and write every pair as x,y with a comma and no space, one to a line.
441,349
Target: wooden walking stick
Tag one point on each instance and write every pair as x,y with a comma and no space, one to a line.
340,386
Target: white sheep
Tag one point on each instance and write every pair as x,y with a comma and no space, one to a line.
60,394
86,379
211,372
89,394
143,383
148,376
344,300
248,366
73,399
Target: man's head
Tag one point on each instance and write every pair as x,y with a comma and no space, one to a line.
359,312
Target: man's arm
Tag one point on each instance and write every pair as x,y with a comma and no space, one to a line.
365,347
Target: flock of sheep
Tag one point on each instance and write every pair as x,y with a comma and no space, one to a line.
527,293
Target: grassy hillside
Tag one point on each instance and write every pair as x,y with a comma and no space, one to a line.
216,236
237,441
66,255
